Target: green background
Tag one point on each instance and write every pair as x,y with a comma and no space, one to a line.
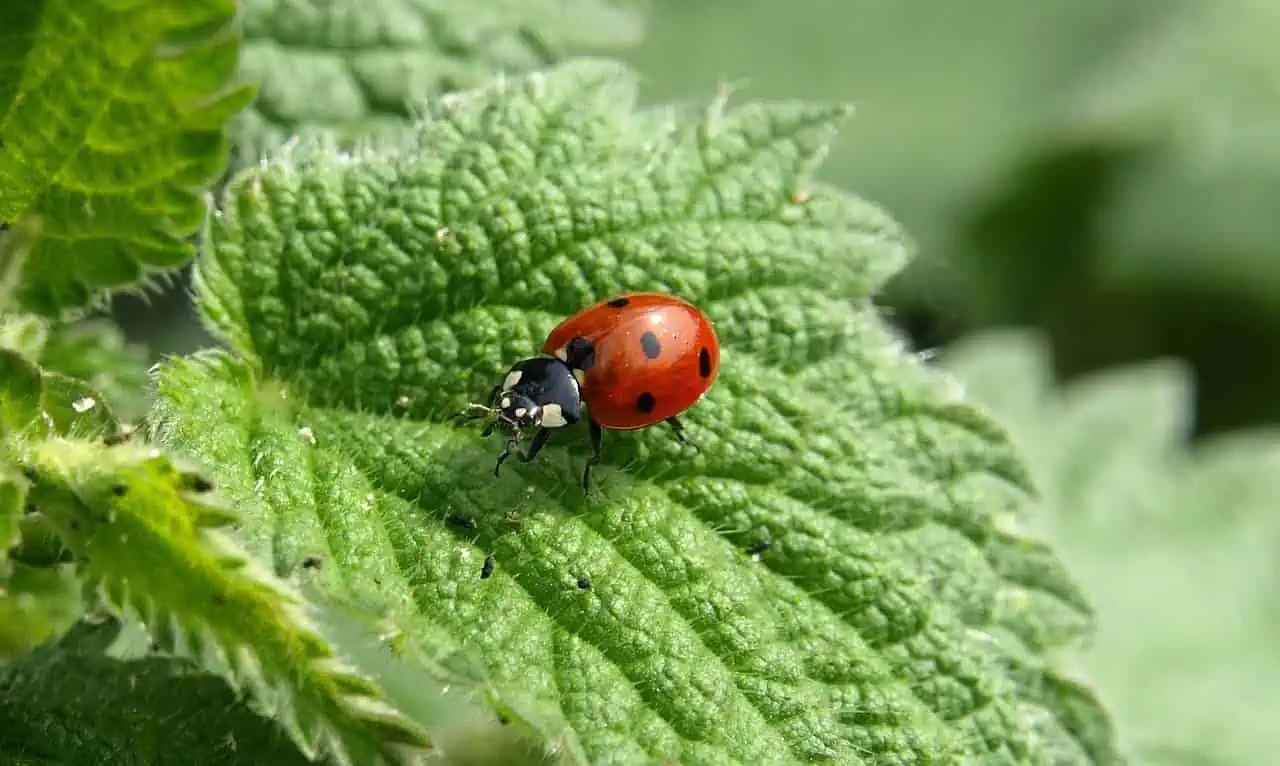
1094,168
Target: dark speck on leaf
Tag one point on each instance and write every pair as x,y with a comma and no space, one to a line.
759,546
312,562
30,472
119,490
486,569
201,484
464,520
584,583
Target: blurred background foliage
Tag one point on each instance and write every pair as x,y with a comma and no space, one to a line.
1105,171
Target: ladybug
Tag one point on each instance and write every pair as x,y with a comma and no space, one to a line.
634,360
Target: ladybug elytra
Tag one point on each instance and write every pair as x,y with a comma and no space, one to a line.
625,363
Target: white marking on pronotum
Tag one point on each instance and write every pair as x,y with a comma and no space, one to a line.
562,353
506,401
521,412
553,416
513,378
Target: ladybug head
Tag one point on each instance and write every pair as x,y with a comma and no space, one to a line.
518,410
537,392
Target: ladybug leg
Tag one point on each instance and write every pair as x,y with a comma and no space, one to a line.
678,427
539,441
596,433
512,448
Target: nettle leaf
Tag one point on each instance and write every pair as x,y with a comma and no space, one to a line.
897,614
36,602
93,351
98,353
111,122
73,702
354,69
143,531
1174,544
21,388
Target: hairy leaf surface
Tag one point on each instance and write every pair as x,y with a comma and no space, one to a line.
72,700
1175,546
146,537
111,122
896,615
356,68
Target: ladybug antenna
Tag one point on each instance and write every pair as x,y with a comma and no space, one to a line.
472,412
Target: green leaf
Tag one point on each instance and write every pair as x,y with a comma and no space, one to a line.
357,69
97,353
72,702
898,614
111,121
72,408
24,334
36,603
1174,544
144,532
12,497
21,389
94,352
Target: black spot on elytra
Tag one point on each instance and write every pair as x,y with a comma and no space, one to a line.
704,362
580,354
650,345
618,303
646,402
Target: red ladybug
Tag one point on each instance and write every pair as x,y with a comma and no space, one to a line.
634,360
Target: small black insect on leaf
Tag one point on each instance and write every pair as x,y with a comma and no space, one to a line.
198,483
584,583
759,546
312,562
486,569
463,520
